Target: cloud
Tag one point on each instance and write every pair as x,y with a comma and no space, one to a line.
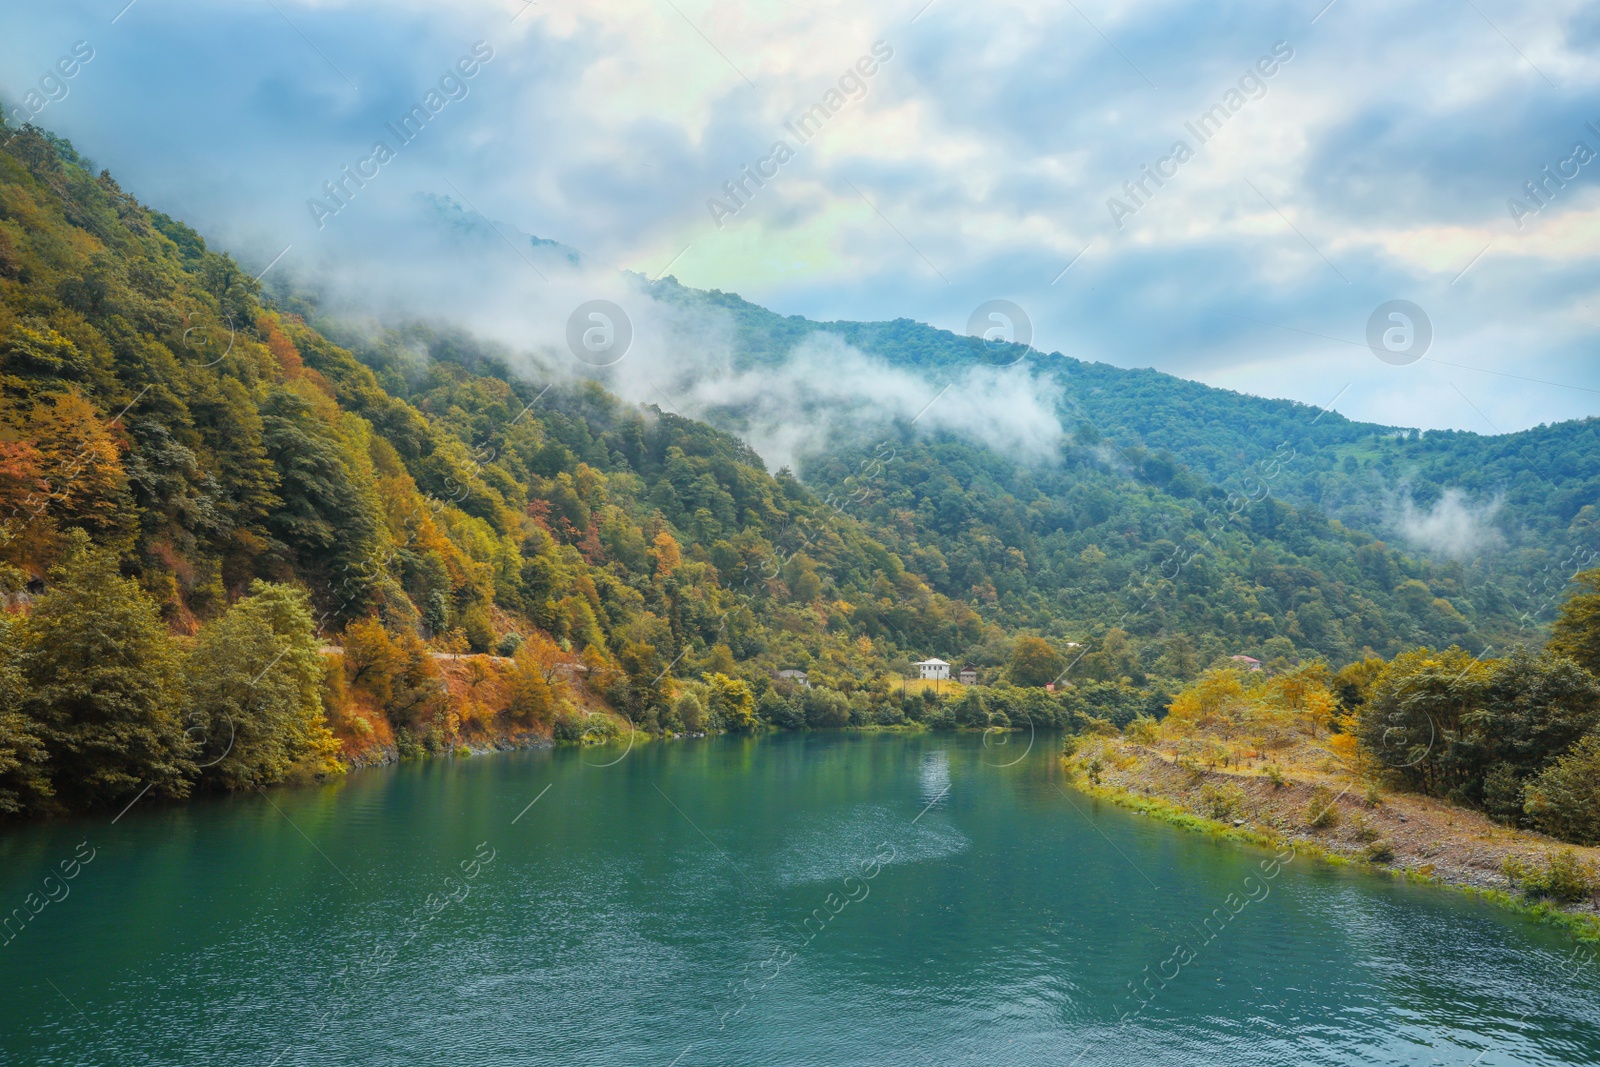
826,393
979,164
1452,527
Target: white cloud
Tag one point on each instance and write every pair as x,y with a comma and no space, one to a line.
1452,527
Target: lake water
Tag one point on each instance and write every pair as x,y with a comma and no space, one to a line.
824,899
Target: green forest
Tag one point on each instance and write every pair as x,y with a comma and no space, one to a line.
243,543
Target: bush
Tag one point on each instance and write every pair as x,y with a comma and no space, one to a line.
479,630
509,644
1380,851
1141,731
1322,813
1274,774
597,729
567,727
1222,802
1565,877
407,746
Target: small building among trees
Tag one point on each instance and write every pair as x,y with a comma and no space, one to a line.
933,670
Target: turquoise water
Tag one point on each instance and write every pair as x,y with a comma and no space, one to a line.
799,899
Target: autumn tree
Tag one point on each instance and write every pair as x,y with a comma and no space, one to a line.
371,659
732,702
1576,633
530,682
664,554
1214,703
1034,662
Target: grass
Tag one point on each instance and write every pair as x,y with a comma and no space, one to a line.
1584,928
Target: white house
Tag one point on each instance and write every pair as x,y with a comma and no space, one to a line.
933,670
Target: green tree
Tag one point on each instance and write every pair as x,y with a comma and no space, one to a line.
779,711
1034,662
1534,709
826,709
24,778
690,712
1564,801
255,698
969,710
104,683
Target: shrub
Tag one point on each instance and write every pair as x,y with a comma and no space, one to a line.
568,726
1565,877
1380,851
1141,731
1323,812
1362,829
596,728
509,644
1274,774
1197,773
1222,802
407,746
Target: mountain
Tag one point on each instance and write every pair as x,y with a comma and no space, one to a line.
425,491
1496,524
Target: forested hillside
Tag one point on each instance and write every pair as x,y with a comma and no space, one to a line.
214,514
1516,510
205,441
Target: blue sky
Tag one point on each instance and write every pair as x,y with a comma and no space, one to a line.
975,163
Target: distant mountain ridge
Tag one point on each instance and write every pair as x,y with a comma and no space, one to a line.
1517,508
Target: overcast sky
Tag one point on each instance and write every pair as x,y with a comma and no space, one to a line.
989,151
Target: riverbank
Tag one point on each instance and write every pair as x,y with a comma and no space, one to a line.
1400,834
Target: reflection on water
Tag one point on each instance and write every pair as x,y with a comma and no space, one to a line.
719,901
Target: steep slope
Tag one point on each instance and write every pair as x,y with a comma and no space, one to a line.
152,399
